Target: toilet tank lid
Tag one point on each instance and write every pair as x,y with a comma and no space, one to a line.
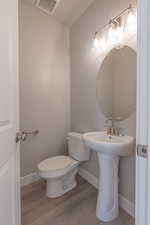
75,135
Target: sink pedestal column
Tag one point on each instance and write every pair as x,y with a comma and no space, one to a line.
107,203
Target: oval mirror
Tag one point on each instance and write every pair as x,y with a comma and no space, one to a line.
116,84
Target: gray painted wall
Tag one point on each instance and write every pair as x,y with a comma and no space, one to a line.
44,86
85,112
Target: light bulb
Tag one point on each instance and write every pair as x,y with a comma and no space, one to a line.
119,32
103,44
112,35
96,43
131,22
100,44
131,19
115,35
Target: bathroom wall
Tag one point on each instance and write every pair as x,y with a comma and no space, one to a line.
85,64
44,86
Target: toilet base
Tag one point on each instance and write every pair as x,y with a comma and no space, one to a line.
56,187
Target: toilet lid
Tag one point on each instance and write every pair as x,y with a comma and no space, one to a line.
56,163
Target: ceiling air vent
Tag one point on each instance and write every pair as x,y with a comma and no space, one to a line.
48,6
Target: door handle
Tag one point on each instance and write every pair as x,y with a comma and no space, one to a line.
22,136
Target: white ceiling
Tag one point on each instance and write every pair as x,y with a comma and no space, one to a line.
68,11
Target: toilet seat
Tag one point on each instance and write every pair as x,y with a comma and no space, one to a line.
56,166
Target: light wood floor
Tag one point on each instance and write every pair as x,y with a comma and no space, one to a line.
77,207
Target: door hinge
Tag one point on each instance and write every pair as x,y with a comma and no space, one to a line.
142,151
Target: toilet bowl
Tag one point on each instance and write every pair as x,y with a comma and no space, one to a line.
60,171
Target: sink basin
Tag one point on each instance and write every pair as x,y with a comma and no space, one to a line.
115,145
109,150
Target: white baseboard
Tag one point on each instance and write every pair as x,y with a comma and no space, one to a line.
31,178
127,205
124,203
89,177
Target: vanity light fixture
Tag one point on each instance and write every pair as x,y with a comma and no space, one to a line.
113,33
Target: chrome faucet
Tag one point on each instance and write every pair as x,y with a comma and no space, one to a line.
112,130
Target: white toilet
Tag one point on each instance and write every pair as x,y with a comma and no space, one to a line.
60,171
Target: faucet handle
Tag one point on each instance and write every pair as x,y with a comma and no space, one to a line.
117,131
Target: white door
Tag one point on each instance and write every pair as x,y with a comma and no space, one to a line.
143,115
9,201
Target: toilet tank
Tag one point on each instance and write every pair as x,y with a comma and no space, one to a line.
76,147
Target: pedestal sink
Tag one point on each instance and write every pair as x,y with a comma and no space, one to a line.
109,150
